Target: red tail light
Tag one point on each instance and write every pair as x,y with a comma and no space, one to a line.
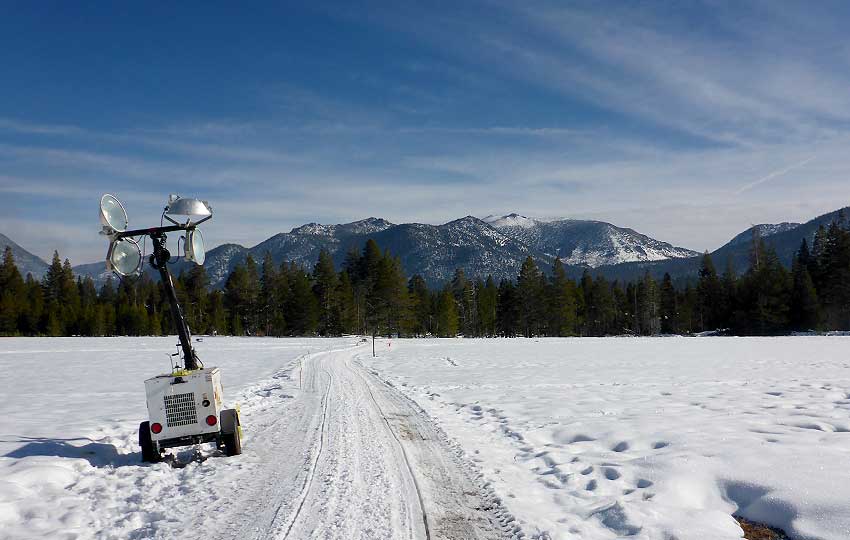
156,428
211,420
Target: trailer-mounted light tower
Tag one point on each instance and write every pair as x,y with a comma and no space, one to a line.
177,401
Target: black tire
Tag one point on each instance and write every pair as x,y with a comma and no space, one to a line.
149,452
230,435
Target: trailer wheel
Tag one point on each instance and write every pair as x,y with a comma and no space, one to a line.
150,454
230,435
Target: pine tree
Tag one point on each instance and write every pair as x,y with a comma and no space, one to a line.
195,283
601,312
218,314
464,293
648,306
236,299
487,296
447,317
252,296
281,292
561,305
765,295
349,322
530,295
52,289
69,300
710,294
507,309
834,267
420,306
265,300
302,308
32,317
804,300
388,296
669,310
107,299
13,303
325,284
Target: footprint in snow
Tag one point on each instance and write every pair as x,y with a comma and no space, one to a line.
611,474
621,447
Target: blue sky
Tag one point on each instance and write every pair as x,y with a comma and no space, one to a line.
684,121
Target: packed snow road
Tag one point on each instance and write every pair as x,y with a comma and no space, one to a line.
331,452
352,458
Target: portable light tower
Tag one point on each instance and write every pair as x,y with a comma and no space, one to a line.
184,406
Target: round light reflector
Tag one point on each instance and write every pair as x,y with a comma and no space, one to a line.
212,420
112,213
185,206
195,250
156,427
124,256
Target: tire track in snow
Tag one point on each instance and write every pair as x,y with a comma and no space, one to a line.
308,481
403,452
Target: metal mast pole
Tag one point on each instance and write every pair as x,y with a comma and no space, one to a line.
159,260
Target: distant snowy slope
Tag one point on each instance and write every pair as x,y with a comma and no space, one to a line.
435,251
584,242
26,262
511,220
764,230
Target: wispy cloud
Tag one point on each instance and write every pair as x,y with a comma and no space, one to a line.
772,175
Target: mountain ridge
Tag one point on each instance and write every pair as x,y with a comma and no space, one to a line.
496,244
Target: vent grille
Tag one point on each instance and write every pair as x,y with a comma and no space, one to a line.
180,410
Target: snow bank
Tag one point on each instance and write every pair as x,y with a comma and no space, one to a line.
651,438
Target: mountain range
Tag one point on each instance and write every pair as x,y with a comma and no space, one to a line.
496,245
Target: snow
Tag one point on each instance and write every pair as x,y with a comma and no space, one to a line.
329,451
764,229
656,438
69,463
510,220
652,438
315,229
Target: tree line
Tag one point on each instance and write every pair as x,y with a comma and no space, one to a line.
372,295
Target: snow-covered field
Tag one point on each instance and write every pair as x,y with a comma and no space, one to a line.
69,414
573,438
657,438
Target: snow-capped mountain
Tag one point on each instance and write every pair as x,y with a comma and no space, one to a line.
496,245
511,220
764,230
433,251
364,226
584,242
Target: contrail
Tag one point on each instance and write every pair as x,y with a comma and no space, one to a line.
772,175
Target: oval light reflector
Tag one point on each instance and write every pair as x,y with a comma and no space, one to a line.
112,213
125,257
195,250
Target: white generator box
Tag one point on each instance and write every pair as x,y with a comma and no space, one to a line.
184,405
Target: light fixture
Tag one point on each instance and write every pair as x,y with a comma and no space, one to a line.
124,257
112,214
190,208
194,245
